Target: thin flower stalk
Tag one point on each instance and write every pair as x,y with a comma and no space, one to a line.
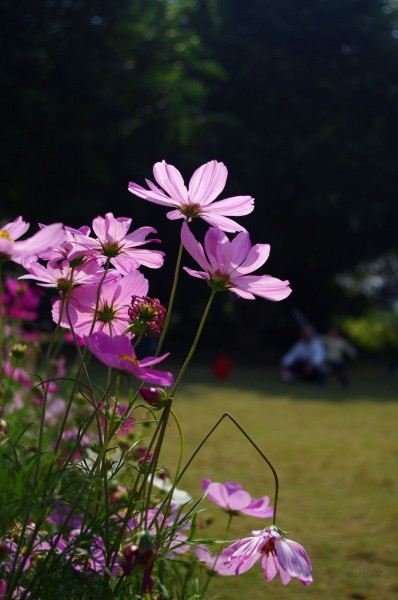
171,300
195,342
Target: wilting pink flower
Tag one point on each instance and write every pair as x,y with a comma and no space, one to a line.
42,241
235,499
114,243
118,352
146,314
276,552
227,264
60,275
113,306
205,185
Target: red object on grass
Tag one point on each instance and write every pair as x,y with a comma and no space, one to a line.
222,367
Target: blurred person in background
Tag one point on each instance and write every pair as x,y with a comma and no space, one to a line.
306,359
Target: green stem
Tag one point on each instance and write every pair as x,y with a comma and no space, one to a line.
171,301
195,343
165,504
1,320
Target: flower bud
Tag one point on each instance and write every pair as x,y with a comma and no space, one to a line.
154,396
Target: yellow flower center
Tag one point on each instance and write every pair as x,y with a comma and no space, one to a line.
132,359
6,235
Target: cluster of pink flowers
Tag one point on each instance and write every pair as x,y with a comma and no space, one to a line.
103,303
96,277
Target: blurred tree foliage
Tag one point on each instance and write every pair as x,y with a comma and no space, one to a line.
297,98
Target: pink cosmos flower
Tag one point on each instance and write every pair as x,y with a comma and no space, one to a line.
113,307
62,251
276,552
61,275
235,499
227,264
42,241
205,185
118,352
113,242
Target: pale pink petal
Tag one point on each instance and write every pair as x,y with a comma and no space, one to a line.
239,500
170,179
150,195
218,250
242,293
197,274
17,228
132,259
264,286
193,247
173,215
259,508
240,247
207,182
256,257
221,222
241,556
138,237
116,228
44,240
294,559
99,227
6,247
270,566
235,207
125,264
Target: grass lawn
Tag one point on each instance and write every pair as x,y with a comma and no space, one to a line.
336,454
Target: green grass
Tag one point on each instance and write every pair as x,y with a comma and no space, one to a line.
336,454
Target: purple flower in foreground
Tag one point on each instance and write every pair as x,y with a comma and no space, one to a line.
205,185
276,552
43,241
233,498
118,352
227,263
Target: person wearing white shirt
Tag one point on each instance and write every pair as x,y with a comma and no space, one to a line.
306,359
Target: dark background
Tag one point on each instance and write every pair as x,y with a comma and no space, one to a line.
298,99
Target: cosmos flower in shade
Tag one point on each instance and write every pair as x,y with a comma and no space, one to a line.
226,264
276,553
234,499
60,275
118,352
42,241
205,185
113,306
113,242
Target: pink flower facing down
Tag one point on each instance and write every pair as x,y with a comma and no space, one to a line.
276,552
205,185
43,241
234,499
113,306
227,265
117,352
113,242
